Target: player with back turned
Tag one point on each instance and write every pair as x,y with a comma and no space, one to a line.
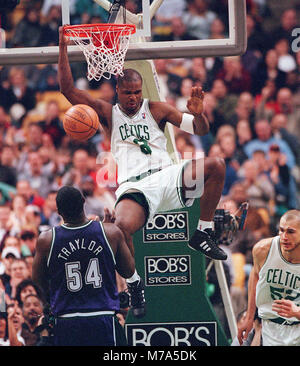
148,180
75,264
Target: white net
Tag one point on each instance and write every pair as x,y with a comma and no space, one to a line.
104,47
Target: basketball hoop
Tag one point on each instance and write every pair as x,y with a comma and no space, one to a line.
104,47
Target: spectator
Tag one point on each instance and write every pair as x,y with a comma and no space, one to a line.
5,223
3,330
47,79
185,92
8,173
285,190
8,255
48,159
49,30
34,138
106,197
243,133
215,151
28,30
235,76
169,82
170,9
265,139
52,124
12,241
257,40
51,217
29,261
47,4
265,102
107,91
17,217
217,29
32,310
18,272
244,110
25,190
183,143
216,119
279,124
85,9
25,288
93,205
18,91
15,320
5,121
197,72
79,169
288,22
260,190
40,179
179,30
268,69
198,18
288,107
28,239
226,102
286,62
228,147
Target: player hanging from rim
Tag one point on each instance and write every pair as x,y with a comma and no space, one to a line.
138,144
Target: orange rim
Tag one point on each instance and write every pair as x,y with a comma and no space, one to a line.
82,30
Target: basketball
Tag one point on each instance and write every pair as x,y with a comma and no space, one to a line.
81,122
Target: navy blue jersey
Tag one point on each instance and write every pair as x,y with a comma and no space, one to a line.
82,270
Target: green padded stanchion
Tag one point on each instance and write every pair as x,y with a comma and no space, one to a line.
179,312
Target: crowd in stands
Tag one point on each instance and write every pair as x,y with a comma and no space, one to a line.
252,102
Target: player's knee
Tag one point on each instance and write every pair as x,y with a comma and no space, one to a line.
124,226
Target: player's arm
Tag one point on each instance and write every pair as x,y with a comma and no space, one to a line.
39,266
260,252
125,264
68,89
194,122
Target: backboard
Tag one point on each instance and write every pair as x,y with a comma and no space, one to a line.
143,46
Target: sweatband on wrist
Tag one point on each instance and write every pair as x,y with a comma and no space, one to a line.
187,123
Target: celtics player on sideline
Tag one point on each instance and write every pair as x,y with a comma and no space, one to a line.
75,264
148,180
274,286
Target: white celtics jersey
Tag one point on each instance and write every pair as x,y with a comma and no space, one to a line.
137,143
277,279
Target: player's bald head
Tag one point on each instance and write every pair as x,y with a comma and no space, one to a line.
129,75
292,216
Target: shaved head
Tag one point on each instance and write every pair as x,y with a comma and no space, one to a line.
292,215
129,75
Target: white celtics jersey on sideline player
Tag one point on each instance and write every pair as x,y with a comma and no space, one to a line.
137,143
277,279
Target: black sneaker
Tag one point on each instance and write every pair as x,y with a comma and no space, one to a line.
203,242
137,298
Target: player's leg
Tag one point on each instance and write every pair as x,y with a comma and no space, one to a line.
131,216
205,178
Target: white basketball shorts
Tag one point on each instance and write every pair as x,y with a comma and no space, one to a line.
162,189
280,334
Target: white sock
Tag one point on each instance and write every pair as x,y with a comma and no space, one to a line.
133,278
202,225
